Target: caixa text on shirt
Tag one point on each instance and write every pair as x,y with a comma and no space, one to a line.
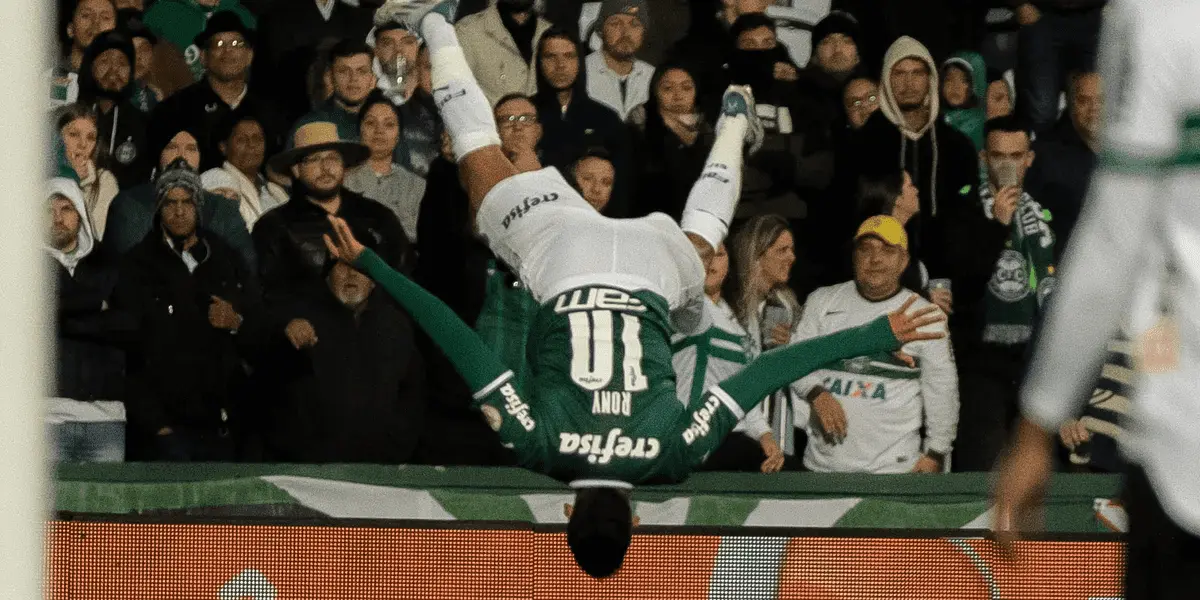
602,448
516,407
527,205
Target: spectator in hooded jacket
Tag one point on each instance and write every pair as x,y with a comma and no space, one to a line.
356,393
572,121
673,143
227,48
907,132
86,412
190,293
616,78
87,19
242,141
964,89
105,84
179,22
131,215
76,128
500,44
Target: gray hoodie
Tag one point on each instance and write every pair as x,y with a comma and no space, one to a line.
67,188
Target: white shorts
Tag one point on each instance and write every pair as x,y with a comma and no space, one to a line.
555,241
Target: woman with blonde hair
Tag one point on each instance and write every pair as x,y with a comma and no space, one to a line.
75,127
763,252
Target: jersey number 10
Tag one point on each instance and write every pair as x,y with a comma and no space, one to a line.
592,361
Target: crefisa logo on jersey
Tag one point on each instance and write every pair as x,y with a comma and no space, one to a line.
701,420
517,408
525,206
602,448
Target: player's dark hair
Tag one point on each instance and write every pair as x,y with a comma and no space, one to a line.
600,529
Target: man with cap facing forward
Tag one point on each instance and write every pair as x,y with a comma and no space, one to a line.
288,239
180,22
867,411
226,51
616,78
189,292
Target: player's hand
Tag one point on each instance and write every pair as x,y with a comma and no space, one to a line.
1021,483
1073,433
905,325
301,334
831,417
1005,205
347,249
781,335
1028,14
927,464
774,454
943,298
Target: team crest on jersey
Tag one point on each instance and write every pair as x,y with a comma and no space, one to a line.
1010,281
601,449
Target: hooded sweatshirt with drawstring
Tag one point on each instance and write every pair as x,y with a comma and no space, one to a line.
971,117
944,166
121,132
89,382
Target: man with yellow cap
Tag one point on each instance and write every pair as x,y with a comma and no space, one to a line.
869,411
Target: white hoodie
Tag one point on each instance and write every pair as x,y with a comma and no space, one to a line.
67,188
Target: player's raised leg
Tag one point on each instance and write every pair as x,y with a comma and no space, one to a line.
714,197
463,106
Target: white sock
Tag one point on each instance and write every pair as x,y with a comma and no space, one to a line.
714,197
464,108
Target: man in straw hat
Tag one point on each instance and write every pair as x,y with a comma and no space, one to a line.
288,238
602,412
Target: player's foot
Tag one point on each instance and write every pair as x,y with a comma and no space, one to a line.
739,100
410,12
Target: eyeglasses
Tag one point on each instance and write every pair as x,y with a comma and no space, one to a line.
313,160
230,44
873,100
514,120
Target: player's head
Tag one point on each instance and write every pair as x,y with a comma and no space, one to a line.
599,530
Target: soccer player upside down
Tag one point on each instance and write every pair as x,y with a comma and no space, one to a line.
601,412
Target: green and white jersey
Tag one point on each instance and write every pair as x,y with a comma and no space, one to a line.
1143,200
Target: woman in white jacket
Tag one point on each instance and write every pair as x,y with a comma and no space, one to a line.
76,127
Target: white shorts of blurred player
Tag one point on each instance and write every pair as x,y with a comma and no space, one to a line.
555,241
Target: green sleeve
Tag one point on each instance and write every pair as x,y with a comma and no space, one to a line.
473,360
780,367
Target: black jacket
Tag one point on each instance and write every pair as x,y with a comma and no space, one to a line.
356,396
182,370
1062,168
199,109
289,242
586,124
122,131
89,351
667,167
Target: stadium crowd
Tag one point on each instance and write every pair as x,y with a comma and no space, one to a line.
938,146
